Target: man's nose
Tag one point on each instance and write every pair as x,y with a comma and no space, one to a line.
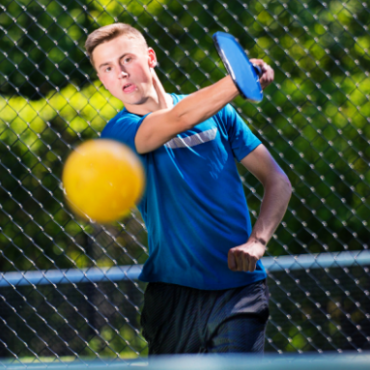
122,73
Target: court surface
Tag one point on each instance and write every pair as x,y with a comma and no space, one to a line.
337,361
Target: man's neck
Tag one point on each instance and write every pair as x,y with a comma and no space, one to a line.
158,99
152,104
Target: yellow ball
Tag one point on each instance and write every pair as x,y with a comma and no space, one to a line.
103,180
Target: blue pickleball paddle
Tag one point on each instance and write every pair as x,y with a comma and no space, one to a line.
244,74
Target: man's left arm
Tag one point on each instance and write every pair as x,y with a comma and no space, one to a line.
277,192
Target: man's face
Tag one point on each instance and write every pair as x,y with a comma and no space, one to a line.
123,65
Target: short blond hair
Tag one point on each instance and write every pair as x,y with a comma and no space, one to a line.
110,32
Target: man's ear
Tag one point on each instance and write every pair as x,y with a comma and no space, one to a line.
152,58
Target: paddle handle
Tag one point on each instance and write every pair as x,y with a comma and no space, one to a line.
257,69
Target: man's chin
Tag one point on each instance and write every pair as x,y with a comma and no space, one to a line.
134,100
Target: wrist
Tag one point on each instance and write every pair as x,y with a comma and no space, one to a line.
259,240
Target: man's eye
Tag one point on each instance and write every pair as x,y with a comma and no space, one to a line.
126,60
108,69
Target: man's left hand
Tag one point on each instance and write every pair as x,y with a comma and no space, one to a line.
244,257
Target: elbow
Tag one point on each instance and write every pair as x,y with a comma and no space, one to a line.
281,183
286,185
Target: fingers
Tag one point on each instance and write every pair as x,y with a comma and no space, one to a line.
268,73
267,77
231,261
240,260
258,62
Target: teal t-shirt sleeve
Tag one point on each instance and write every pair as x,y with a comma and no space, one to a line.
241,138
123,128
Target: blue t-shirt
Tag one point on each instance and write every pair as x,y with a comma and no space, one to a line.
194,205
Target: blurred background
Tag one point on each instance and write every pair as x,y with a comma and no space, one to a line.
314,119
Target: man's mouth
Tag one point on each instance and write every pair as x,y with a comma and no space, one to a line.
128,88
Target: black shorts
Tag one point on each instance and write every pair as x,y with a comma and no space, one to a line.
178,319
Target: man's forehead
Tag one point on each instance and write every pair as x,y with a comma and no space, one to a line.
128,42
117,47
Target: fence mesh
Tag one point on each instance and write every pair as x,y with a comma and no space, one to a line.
314,119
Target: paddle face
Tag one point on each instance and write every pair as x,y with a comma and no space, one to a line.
237,64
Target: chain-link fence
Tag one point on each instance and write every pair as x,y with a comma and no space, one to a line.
314,119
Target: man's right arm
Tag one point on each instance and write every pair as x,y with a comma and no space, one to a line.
161,126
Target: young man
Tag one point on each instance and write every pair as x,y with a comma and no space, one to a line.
207,287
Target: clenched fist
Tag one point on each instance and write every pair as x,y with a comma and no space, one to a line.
268,73
245,256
